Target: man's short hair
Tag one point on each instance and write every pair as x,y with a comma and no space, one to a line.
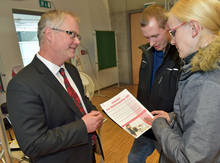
52,18
154,11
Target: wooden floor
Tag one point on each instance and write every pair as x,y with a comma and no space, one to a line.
116,142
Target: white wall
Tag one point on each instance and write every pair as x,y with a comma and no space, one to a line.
94,15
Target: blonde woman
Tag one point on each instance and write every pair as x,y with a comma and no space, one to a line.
192,133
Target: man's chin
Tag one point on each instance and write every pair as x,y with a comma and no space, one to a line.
72,52
70,55
157,48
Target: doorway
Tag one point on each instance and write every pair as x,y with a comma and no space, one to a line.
137,39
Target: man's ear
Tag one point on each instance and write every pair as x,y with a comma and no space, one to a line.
195,28
48,33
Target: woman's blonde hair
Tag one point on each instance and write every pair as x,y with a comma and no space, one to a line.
53,19
206,12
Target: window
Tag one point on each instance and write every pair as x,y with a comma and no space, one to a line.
26,24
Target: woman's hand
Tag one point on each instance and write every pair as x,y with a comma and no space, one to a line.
161,113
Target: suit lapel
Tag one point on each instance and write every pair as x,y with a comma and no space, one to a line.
53,83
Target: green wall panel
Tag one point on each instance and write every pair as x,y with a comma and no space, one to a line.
105,41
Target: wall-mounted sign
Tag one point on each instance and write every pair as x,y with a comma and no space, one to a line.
45,3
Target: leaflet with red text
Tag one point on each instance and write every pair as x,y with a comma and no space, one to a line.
125,110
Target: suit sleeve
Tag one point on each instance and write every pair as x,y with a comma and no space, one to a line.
29,120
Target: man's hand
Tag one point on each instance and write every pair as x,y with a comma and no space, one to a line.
93,120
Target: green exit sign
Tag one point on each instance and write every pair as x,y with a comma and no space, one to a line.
45,3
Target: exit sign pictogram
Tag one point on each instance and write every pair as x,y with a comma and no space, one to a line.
45,3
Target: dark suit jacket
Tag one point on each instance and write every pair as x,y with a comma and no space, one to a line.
47,124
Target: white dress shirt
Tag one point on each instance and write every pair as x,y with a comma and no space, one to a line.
55,71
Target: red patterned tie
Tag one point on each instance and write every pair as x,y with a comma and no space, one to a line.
71,92
75,97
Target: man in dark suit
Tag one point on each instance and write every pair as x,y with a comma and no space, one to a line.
53,120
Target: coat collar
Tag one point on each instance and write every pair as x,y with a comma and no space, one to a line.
186,66
146,49
208,58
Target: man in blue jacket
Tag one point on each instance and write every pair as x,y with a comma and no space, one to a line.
157,77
